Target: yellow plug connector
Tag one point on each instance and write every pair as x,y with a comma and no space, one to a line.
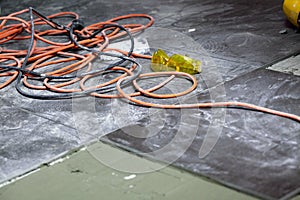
162,62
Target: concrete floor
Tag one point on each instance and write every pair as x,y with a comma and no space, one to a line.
82,176
253,155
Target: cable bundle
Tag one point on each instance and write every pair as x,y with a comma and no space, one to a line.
22,65
50,69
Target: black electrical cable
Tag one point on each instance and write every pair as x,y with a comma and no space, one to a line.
31,72
71,36
47,20
30,47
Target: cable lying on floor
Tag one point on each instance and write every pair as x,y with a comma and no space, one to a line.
58,70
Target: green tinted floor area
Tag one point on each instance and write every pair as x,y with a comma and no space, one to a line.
82,176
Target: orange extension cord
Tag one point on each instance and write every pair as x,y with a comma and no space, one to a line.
51,53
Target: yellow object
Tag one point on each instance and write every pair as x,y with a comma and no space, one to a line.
291,9
162,62
160,57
